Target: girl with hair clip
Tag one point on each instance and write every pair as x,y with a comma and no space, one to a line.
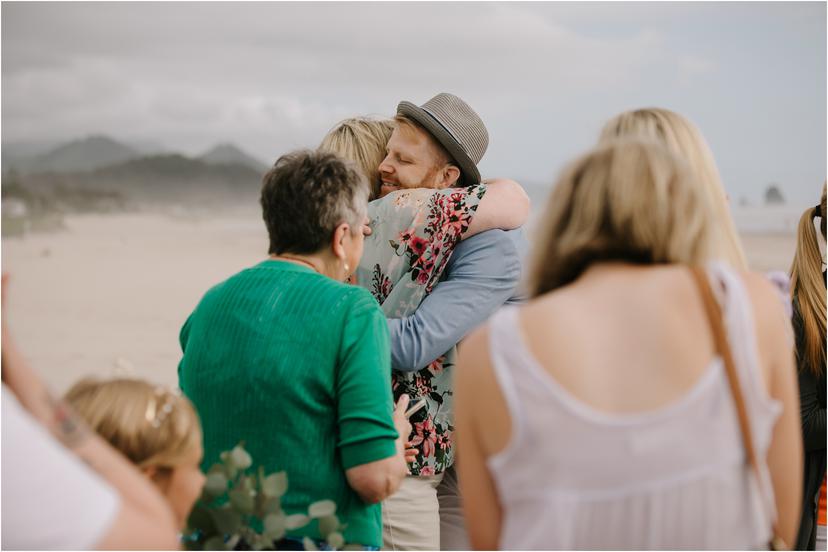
808,296
593,419
156,428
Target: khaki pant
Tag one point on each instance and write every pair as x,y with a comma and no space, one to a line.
425,514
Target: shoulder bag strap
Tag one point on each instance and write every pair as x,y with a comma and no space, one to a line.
714,316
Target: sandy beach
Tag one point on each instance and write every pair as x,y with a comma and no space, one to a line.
109,294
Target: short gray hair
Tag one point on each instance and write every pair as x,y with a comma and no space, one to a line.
306,195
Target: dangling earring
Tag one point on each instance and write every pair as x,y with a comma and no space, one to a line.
347,268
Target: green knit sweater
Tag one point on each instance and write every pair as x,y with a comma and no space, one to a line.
299,367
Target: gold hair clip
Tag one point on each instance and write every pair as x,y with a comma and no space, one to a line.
156,416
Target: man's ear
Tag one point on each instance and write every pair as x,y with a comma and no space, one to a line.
338,242
451,175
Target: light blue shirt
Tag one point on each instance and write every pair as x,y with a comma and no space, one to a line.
482,274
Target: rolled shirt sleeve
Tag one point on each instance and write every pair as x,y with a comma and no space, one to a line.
363,386
482,274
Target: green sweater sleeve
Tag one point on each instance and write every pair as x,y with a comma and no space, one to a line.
363,385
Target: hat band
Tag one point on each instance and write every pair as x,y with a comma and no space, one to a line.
444,127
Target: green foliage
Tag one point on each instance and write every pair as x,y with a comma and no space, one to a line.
244,510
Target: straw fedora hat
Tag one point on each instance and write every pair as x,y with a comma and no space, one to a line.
454,124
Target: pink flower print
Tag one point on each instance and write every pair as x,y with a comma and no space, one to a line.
443,441
418,245
425,436
427,470
406,236
422,385
436,365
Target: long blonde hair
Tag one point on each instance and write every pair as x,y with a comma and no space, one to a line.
627,200
151,425
808,288
683,139
361,140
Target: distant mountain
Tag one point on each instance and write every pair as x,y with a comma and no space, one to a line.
229,154
148,147
80,155
169,179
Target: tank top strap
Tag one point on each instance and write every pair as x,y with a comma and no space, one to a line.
738,320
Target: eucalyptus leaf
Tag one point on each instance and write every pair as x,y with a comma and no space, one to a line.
275,484
242,501
241,459
296,521
336,540
233,541
274,523
214,543
309,544
216,484
273,506
227,521
328,525
322,508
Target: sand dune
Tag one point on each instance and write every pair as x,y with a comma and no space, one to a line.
111,292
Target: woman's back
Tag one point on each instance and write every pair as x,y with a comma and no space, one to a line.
622,422
294,364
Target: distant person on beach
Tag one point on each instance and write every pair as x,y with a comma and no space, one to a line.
435,288
287,357
808,294
599,415
155,427
65,488
684,139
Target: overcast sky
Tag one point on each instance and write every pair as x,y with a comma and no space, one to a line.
544,77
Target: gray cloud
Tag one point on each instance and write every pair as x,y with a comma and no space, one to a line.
272,76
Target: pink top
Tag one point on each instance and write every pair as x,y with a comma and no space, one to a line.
674,478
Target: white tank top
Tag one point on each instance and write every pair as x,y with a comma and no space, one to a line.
575,478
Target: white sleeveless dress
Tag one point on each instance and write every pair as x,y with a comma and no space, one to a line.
572,477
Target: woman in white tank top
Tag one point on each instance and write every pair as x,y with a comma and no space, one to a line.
598,416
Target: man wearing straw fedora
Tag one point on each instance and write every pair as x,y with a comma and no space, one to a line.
438,145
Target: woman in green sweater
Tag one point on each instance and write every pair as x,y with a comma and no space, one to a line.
296,363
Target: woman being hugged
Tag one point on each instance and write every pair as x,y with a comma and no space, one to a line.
808,296
599,415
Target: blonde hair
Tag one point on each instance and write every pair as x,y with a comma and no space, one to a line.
808,288
628,200
119,410
361,140
683,139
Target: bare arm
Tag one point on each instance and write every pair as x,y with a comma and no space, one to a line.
473,385
785,452
145,519
376,481
505,205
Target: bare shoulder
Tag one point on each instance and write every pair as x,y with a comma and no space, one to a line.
773,326
767,300
473,353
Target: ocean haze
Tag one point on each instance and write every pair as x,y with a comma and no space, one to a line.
270,77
